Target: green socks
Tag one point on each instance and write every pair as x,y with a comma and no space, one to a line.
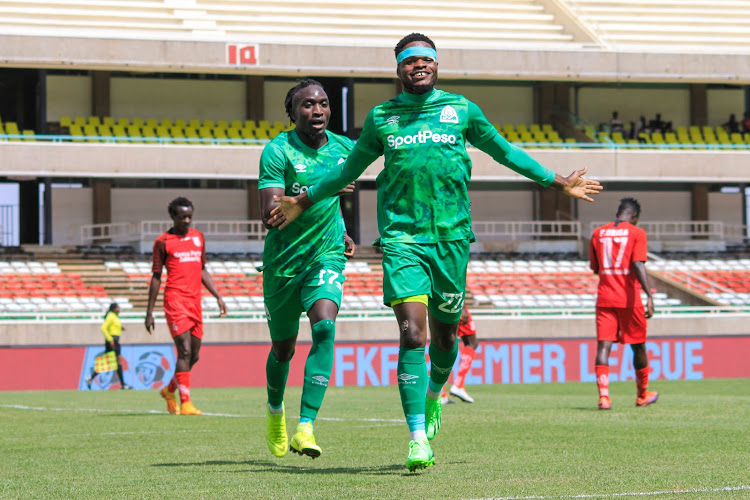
412,381
441,364
276,374
318,368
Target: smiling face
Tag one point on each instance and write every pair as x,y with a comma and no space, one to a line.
310,113
182,219
418,74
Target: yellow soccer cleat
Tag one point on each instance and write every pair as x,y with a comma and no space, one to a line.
276,437
171,398
303,441
188,409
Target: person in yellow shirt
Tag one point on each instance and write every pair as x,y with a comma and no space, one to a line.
111,328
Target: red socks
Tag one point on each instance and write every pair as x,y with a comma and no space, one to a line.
641,380
172,385
467,357
183,384
602,379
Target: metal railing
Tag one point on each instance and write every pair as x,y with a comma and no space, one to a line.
128,232
526,230
686,230
214,141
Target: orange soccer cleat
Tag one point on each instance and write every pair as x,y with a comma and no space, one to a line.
647,398
171,399
605,403
188,409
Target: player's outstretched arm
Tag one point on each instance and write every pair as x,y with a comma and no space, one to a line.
576,186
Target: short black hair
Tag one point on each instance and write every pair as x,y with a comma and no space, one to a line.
412,37
178,202
629,204
307,82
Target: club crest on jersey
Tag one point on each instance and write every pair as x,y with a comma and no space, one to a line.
196,241
300,167
393,120
448,115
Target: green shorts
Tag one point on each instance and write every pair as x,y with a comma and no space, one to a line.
287,298
437,270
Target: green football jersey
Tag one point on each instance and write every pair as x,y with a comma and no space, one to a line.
289,164
423,194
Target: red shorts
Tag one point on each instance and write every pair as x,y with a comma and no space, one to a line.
468,329
626,325
184,315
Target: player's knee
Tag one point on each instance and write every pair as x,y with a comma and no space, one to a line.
282,353
323,332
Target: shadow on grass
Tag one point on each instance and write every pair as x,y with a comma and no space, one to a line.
268,466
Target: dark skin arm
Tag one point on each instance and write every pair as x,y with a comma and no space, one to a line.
209,284
269,200
639,269
153,292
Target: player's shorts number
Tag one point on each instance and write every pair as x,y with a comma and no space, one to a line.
331,278
453,304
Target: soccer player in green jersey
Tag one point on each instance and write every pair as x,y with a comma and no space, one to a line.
424,220
303,265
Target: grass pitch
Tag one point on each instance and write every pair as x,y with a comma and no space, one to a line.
516,441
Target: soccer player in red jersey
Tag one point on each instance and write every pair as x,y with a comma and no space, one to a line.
182,250
467,332
618,256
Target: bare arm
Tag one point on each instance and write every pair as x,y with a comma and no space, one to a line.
153,292
209,284
576,186
639,269
267,203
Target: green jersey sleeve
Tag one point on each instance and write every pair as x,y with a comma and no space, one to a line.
367,149
272,164
483,135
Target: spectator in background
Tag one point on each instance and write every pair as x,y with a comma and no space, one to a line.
615,124
746,122
641,128
732,125
659,125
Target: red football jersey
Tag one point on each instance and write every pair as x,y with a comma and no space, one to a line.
184,257
613,250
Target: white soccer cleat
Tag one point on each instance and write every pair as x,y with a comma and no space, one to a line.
446,401
461,394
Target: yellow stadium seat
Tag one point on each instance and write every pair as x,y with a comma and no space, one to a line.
180,123
76,131
618,138
644,137
119,131
264,124
736,138
261,133
91,133
512,136
521,128
152,122
746,136
508,128
547,128
553,136
671,138
222,124
194,123
162,131
209,123
103,131
138,122
247,133
220,132
11,128
28,135
279,125
205,133
65,121
165,122
250,124
123,122
236,124
234,133
534,128
150,134
134,131
79,120
94,120
108,121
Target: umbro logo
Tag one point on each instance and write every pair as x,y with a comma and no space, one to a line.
448,115
300,167
320,380
393,120
406,378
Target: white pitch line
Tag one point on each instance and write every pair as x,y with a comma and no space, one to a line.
157,412
620,495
